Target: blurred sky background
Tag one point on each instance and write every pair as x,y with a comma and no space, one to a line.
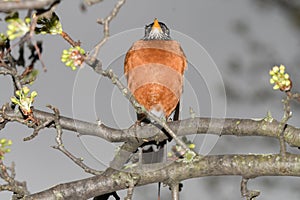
241,41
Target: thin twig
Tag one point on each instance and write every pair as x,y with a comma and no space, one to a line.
12,170
68,38
92,2
40,56
175,191
37,129
130,191
286,116
105,22
248,194
18,188
61,148
11,69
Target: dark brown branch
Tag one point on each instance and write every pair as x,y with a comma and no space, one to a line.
248,166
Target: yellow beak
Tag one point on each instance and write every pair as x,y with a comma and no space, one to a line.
156,24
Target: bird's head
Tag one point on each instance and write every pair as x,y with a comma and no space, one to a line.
157,31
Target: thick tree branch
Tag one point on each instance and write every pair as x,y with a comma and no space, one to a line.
238,127
248,166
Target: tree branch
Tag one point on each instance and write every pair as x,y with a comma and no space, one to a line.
18,188
248,166
105,22
61,147
20,5
249,194
238,127
175,191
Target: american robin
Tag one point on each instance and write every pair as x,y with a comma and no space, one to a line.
154,68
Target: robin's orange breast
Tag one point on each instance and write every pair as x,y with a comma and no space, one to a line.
154,71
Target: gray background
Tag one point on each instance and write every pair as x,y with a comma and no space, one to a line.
244,39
